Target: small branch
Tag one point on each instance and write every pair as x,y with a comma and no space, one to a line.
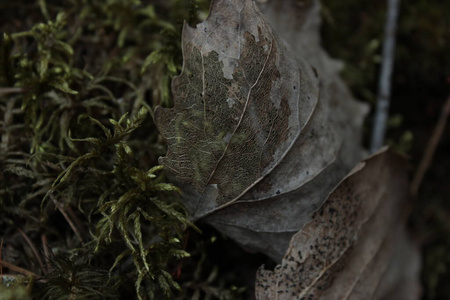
1,250
10,90
46,251
384,83
17,269
75,219
33,249
431,149
66,216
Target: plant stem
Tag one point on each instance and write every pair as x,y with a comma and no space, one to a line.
431,148
384,83
33,249
17,269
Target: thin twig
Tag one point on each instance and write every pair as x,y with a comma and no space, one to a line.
384,83
17,269
10,90
75,219
66,216
431,149
33,249
46,252
1,249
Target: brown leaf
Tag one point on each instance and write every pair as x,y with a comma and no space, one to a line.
241,102
267,216
347,249
254,141
257,140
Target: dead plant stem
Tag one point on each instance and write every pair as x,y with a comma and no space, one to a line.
431,149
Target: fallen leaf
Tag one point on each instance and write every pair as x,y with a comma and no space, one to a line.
260,135
257,137
240,104
348,248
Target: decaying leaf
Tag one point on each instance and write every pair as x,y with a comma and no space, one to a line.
352,247
241,102
257,138
261,134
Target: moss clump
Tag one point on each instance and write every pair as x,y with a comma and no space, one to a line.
86,211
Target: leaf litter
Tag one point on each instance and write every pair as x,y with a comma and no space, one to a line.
260,138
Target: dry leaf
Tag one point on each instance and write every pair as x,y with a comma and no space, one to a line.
241,102
351,247
257,138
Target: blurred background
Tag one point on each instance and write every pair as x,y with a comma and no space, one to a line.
353,31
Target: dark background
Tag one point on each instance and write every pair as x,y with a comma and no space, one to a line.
352,31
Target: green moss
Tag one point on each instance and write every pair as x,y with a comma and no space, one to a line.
78,158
